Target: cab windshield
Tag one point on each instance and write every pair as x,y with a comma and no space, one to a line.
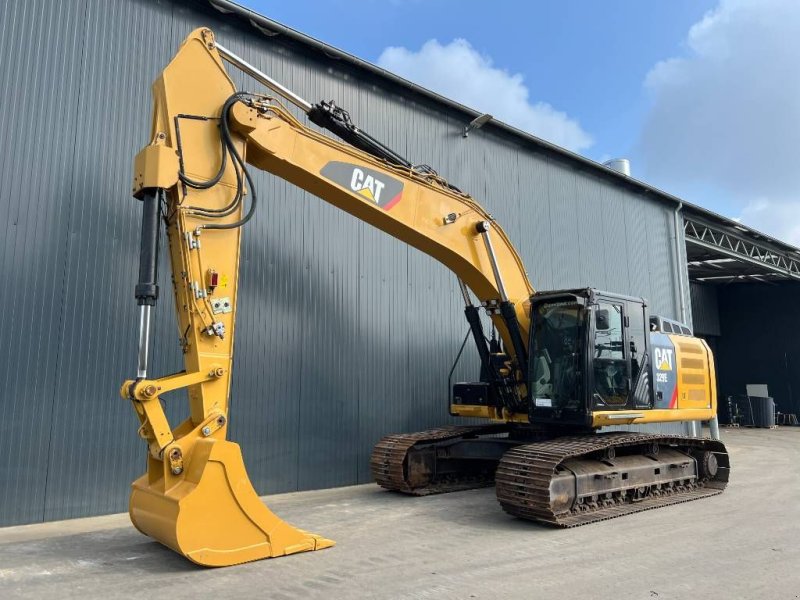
557,342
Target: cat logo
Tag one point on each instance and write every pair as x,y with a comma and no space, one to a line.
373,185
366,185
664,358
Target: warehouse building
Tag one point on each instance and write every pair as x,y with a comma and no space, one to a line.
344,333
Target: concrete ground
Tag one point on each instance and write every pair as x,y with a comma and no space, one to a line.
742,544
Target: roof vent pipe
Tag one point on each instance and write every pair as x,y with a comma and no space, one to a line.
620,165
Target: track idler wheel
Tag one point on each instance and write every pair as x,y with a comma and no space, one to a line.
707,465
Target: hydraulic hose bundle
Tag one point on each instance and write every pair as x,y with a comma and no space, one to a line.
240,168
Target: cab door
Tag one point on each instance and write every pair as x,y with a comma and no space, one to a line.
611,370
637,321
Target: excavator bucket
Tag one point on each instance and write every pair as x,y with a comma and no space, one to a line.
212,515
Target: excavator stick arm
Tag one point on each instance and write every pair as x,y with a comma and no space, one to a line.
196,497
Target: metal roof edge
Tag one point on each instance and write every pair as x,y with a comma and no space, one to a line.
265,24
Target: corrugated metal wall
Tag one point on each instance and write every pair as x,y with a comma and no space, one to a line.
344,334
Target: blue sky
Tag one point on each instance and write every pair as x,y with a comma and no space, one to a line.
694,92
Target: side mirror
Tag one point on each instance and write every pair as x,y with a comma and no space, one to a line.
601,321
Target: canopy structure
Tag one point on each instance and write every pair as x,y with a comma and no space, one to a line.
723,251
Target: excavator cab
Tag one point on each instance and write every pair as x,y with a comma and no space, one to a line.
589,351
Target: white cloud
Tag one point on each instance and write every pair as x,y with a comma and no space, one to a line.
458,71
726,116
780,219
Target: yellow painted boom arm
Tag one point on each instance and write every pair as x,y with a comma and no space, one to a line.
419,210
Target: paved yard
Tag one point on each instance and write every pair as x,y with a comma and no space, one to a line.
742,544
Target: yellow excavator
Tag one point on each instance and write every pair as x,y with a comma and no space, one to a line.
566,363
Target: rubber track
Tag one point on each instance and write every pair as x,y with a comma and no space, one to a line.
524,473
389,455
